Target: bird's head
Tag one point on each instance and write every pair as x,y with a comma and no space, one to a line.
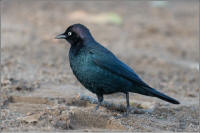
76,33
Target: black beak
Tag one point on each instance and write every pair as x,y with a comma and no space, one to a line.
61,36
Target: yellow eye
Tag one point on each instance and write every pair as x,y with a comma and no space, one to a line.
69,33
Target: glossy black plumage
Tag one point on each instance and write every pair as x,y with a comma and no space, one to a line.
100,71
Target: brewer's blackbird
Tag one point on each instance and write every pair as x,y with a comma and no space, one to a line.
100,71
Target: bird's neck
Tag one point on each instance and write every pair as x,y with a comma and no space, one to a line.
80,43
76,47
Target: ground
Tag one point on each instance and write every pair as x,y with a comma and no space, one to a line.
40,93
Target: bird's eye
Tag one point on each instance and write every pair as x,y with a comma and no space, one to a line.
69,33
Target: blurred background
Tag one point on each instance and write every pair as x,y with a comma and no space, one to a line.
158,39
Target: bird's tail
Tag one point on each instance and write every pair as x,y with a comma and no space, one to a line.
155,93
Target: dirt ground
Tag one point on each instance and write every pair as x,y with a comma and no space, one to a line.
40,93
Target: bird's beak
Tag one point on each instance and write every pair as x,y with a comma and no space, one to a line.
61,36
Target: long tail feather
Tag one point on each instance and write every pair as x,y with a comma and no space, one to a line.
155,93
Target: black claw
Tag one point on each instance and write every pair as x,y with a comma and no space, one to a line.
100,99
97,107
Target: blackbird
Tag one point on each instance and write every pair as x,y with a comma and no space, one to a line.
100,71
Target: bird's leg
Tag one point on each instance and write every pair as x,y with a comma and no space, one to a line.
100,99
128,104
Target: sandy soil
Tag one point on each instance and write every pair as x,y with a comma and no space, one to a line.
39,92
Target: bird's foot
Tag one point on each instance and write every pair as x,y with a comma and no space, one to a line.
127,112
96,108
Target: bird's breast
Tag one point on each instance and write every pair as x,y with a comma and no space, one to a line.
80,64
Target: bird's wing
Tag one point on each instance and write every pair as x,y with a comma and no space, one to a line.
106,60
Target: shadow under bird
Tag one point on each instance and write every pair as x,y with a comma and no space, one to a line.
100,71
